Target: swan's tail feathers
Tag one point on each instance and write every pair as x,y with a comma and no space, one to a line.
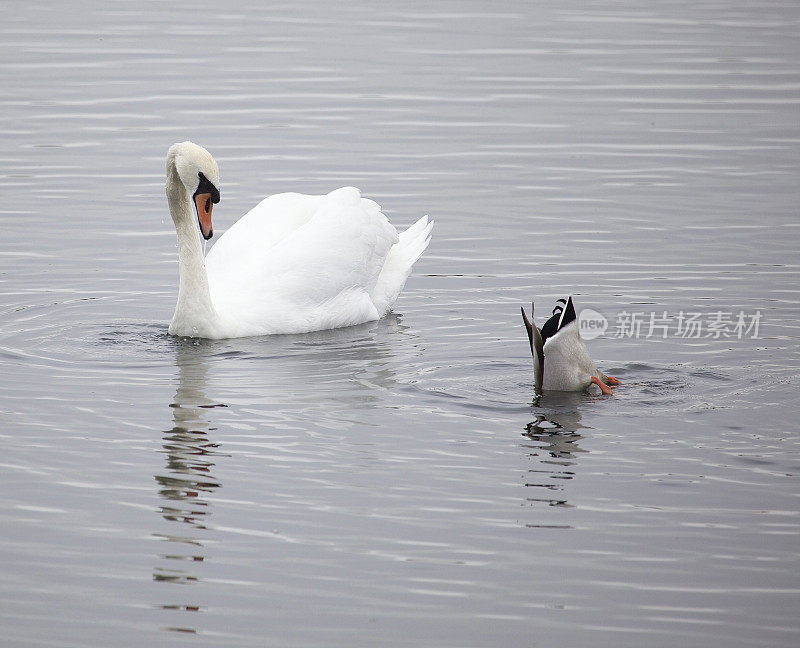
414,240
399,262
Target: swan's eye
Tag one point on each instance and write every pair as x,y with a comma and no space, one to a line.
208,204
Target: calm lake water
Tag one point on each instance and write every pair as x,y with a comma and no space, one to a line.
394,484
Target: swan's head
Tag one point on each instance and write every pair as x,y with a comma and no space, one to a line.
199,173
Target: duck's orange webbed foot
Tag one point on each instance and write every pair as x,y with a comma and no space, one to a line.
610,380
603,387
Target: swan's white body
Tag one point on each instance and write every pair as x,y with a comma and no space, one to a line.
292,264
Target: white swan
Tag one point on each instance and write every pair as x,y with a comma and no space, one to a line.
293,264
561,361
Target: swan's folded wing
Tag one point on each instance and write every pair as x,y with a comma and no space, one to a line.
318,275
242,248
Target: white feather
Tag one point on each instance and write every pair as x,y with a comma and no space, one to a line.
567,363
293,264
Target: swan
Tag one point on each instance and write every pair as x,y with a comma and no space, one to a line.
561,361
292,264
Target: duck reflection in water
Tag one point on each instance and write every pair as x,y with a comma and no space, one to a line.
187,480
552,444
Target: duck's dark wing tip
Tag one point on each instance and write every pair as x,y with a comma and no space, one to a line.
567,314
528,325
537,347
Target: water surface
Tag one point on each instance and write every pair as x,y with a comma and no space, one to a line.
395,483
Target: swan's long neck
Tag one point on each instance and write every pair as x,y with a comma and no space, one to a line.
194,312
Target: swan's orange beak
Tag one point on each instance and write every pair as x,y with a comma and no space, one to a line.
204,204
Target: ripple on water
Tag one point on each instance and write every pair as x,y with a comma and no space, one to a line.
401,475
507,387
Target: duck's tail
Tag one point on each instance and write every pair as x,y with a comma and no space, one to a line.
398,264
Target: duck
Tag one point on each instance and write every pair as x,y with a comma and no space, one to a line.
561,360
294,263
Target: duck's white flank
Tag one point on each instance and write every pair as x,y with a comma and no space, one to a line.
567,363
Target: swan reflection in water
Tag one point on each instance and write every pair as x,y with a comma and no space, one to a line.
187,480
552,445
309,379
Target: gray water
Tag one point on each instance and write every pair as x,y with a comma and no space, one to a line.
396,484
